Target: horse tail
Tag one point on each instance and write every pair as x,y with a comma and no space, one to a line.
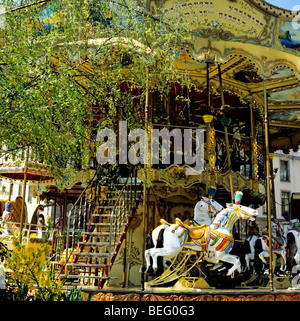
245,249
160,239
291,249
258,264
160,259
149,242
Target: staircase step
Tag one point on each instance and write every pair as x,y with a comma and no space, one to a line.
104,224
78,276
114,199
92,254
107,215
98,244
116,193
109,206
99,234
87,265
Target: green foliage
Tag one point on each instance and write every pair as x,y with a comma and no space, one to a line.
31,277
69,68
30,266
3,251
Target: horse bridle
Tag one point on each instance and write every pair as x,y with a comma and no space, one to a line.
239,211
209,205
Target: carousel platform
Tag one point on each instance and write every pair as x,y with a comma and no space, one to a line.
196,295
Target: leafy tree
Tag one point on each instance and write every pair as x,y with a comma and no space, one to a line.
68,68
30,268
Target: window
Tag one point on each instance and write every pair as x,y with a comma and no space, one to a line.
20,190
29,196
285,201
284,171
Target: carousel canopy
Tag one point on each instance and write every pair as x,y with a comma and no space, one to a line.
253,42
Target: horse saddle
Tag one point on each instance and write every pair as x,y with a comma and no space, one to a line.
195,232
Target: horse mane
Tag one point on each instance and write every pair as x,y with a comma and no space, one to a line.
219,217
201,217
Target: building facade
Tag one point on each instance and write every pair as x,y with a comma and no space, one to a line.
286,179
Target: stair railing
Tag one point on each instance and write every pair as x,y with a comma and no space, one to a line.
78,210
122,210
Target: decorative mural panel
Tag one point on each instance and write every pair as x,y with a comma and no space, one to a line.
174,177
292,94
289,37
225,20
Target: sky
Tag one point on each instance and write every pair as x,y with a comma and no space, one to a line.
285,4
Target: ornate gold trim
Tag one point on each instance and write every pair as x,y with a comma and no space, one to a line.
234,296
175,177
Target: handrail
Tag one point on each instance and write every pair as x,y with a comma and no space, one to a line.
70,213
121,213
27,229
82,193
114,209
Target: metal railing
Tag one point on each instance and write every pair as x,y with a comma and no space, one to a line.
74,210
122,210
29,230
79,217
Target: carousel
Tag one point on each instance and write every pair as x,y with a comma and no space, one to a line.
165,235
203,231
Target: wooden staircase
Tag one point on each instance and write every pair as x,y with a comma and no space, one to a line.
97,225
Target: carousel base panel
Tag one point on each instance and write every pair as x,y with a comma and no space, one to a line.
132,294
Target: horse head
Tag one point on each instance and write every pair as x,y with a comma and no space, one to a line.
213,206
203,208
245,213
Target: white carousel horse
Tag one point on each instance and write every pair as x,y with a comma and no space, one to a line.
216,237
293,239
203,211
278,244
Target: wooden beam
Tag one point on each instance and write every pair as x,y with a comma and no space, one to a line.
213,71
284,107
287,124
272,84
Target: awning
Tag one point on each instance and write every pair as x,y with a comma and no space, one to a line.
17,173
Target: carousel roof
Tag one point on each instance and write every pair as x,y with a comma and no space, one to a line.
253,41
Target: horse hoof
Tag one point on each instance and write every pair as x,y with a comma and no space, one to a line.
221,269
283,268
231,274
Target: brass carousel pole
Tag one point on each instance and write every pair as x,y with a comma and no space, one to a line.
145,189
226,137
268,176
24,193
207,119
10,190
